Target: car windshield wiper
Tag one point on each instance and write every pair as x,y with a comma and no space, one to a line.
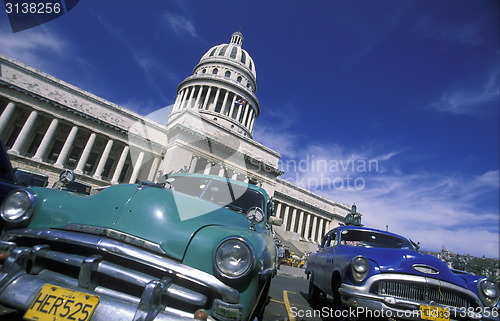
232,207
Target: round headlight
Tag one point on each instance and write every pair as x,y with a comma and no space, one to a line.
489,292
360,268
234,258
18,206
255,215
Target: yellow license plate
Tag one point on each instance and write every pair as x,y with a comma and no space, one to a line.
54,303
429,312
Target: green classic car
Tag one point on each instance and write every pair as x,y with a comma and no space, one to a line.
195,247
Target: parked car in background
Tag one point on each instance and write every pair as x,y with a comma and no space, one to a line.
26,177
196,246
7,177
382,274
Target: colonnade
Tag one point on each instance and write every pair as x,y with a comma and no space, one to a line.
95,154
219,100
311,227
203,165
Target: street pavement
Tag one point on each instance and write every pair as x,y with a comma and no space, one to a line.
293,272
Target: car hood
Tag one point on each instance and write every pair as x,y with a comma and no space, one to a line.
169,219
405,261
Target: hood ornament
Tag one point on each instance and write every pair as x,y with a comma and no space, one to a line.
426,269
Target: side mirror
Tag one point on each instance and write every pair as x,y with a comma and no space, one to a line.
275,221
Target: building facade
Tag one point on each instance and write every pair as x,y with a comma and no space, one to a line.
48,125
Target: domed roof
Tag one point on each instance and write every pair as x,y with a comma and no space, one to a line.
233,52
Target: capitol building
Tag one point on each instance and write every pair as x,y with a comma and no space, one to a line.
48,125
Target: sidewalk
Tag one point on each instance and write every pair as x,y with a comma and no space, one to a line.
293,272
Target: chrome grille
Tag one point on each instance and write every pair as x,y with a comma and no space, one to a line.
422,293
112,268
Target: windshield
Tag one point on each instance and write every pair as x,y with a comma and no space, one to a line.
373,239
234,197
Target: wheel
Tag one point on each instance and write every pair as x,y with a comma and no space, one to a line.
313,293
258,314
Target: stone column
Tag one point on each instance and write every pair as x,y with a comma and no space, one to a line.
294,218
191,96
103,160
24,133
277,211
224,102
320,231
215,100
207,97
7,113
285,216
192,166
47,139
137,168
233,103
245,115
119,166
208,167
197,102
85,154
307,235
314,228
185,98
154,169
252,123
301,223
66,148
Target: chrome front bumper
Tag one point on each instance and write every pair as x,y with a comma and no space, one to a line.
372,296
132,283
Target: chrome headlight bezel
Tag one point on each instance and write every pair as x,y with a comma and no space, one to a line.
18,206
489,292
359,268
234,258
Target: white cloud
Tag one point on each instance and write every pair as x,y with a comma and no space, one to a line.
429,207
34,46
180,24
471,101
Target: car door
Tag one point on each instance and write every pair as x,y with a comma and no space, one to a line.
325,258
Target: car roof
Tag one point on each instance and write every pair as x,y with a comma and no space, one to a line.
368,229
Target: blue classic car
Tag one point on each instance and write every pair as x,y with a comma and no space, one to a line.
376,273
196,247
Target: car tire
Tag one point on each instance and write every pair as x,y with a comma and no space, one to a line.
261,305
314,292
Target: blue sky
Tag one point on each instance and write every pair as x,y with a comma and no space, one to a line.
393,105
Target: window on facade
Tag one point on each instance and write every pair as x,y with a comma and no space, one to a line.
227,74
90,164
243,57
73,157
222,52
107,169
213,52
215,71
55,151
233,53
204,71
13,136
123,173
239,79
35,143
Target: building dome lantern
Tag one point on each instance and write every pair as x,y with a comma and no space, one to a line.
237,38
222,87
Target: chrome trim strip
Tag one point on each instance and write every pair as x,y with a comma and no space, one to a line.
116,235
364,290
131,252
